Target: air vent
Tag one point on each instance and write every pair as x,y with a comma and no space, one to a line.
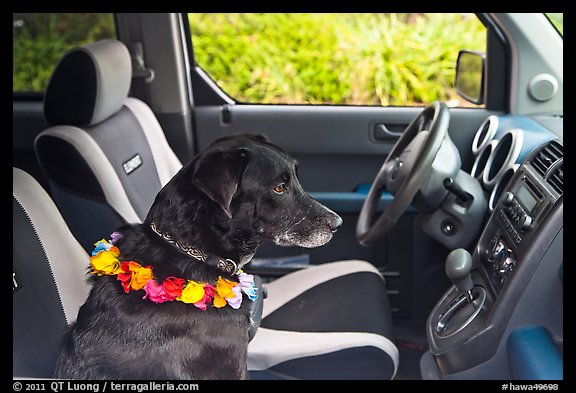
546,157
485,134
556,179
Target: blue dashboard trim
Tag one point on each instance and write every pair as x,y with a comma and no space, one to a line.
352,202
535,135
533,355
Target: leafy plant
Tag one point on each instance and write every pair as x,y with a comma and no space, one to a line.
357,59
39,40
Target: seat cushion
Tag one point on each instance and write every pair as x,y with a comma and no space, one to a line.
330,321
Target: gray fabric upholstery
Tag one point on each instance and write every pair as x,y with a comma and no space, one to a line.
326,314
49,278
89,84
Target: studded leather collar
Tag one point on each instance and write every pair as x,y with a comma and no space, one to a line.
225,264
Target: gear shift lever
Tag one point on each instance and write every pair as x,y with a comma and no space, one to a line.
458,267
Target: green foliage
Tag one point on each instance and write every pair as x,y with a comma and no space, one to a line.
39,40
356,59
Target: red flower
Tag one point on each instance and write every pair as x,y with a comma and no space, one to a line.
126,276
173,286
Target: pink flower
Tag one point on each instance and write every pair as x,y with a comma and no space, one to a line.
156,293
208,296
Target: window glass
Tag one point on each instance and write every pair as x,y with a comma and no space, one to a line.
39,40
339,59
557,20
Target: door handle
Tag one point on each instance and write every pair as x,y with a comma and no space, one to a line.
381,132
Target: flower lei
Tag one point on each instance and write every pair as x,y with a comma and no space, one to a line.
132,275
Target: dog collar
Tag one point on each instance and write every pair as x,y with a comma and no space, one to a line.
225,264
134,276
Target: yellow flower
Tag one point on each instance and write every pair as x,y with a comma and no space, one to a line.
105,262
193,292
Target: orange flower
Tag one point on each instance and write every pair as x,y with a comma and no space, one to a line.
114,250
141,276
219,301
224,287
134,275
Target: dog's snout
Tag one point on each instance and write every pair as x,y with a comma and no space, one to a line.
335,223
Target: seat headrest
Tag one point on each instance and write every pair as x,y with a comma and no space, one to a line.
89,84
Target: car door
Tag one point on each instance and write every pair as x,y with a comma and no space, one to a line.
300,80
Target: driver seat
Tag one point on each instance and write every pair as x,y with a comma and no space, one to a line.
331,321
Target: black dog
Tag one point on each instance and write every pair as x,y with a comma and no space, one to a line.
167,302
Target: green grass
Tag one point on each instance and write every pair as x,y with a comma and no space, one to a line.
367,59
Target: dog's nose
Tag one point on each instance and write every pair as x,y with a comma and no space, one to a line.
335,223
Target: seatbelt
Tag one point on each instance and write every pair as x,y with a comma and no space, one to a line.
141,75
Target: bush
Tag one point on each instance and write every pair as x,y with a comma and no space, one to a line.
39,40
367,59
356,59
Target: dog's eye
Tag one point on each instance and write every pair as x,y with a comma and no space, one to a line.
280,188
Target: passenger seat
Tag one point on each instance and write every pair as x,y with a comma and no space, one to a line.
48,278
98,179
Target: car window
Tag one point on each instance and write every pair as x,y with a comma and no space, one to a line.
557,19
338,59
40,39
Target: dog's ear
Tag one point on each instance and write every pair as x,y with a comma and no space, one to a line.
218,175
258,137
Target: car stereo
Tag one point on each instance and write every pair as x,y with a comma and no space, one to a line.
520,206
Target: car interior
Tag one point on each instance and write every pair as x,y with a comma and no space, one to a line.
449,262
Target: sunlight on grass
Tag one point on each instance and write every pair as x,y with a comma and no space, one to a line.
352,59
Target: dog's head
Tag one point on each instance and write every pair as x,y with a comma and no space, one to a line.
251,190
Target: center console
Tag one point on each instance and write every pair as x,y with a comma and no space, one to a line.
467,328
524,205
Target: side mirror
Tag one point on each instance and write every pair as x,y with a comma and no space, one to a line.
470,76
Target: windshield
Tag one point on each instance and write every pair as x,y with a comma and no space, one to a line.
557,19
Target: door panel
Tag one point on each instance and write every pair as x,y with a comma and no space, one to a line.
329,140
325,140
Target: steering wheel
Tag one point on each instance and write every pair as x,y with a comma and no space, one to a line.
404,171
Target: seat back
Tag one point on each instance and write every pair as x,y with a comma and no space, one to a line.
105,154
48,278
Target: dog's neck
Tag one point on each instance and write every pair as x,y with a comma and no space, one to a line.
225,264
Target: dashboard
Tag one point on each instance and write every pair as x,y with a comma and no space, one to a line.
516,263
500,145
